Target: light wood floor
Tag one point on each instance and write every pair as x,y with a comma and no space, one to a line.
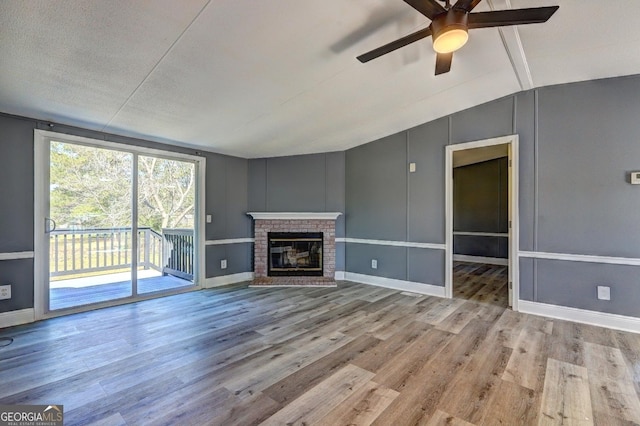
353,355
481,283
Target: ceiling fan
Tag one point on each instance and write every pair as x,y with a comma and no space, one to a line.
450,24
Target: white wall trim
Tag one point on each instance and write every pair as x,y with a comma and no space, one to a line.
23,316
200,273
340,275
17,255
229,241
482,234
392,243
41,158
513,46
581,258
295,215
481,259
600,319
414,287
227,279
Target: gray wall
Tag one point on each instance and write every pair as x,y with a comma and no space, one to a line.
386,202
586,144
226,198
228,203
480,204
301,183
16,209
578,143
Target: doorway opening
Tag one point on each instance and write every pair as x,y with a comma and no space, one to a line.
482,221
113,223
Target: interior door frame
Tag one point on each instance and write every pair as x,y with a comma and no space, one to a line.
42,140
514,235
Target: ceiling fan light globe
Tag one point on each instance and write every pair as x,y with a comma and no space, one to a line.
451,40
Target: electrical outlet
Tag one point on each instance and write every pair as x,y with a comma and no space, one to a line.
223,264
374,264
604,292
209,218
412,167
5,292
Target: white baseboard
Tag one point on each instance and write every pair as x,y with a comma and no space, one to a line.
228,279
23,316
601,319
414,287
481,259
339,276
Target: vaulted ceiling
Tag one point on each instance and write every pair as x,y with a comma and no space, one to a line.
260,78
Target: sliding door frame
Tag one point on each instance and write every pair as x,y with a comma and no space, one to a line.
42,143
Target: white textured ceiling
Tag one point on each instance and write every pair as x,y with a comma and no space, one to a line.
260,78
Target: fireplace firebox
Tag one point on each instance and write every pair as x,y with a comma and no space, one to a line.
295,254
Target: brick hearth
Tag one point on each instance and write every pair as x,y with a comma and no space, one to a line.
294,222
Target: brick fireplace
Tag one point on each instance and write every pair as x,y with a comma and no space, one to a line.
297,224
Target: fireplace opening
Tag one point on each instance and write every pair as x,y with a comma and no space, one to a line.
295,254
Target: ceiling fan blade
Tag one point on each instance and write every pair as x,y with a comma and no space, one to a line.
443,62
390,47
467,5
499,18
429,8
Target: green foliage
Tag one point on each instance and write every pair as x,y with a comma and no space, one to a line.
166,193
92,188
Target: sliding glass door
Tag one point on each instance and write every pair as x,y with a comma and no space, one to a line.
89,225
166,215
118,224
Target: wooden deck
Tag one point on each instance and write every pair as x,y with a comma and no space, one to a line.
355,354
67,297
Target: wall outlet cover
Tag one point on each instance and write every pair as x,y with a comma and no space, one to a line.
209,218
635,178
412,167
604,292
223,264
374,264
5,292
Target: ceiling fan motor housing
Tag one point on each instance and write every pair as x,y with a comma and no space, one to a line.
454,20
449,28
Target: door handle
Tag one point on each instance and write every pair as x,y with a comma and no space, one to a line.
49,221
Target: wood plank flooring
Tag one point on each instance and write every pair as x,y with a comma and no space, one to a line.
352,355
481,283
